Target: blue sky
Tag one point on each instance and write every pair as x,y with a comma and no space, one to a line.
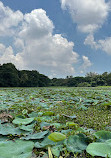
56,37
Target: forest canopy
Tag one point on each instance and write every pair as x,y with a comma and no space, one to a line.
11,77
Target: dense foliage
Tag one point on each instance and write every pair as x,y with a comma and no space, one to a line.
11,77
90,80
55,122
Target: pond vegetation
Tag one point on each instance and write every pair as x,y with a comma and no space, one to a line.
55,122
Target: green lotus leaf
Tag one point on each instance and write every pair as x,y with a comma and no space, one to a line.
44,143
56,150
99,149
7,129
66,131
16,149
47,142
48,113
43,118
28,128
44,124
103,135
72,124
56,125
76,143
56,136
39,135
33,114
21,121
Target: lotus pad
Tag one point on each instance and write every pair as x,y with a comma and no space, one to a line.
103,135
56,150
28,128
56,136
39,135
100,149
7,129
21,121
76,143
44,143
17,149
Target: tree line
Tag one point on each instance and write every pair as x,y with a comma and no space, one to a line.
90,80
11,77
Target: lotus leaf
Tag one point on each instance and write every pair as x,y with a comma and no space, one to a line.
16,149
72,124
66,131
7,129
20,121
99,149
57,125
44,124
43,118
76,143
56,136
56,150
28,128
48,113
39,135
44,143
103,135
33,114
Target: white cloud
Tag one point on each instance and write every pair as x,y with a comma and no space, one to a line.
104,45
8,56
19,43
86,64
88,14
35,44
90,41
8,20
36,25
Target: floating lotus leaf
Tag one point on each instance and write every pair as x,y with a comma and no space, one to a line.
7,129
28,128
66,131
44,124
44,143
72,124
100,149
48,113
76,143
20,121
43,118
56,136
33,114
47,142
39,135
16,149
103,135
56,150
57,125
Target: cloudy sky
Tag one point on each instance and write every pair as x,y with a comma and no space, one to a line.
56,37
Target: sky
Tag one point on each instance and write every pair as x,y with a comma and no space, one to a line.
58,38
